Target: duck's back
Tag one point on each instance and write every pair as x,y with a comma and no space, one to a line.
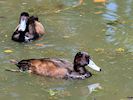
52,67
62,63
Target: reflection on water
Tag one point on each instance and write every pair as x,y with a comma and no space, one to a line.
103,30
119,33
111,9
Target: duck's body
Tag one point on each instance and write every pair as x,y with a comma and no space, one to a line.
29,29
58,68
47,67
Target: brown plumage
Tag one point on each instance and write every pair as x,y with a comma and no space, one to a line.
29,29
58,68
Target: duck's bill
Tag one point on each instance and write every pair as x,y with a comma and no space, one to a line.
22,25
94,66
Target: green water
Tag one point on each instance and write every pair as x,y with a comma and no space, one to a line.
85,28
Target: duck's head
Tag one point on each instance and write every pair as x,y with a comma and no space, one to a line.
83,59
32,19
23,21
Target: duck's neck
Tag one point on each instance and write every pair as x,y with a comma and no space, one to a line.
80,69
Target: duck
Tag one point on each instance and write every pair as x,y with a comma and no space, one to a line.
59,68
29,29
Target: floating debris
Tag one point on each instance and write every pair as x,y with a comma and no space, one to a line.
39,44
52,92
99,1
98,12
120,50
8,51
66,36
93,87
99,50
81,2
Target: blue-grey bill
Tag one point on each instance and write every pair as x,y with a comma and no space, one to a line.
94,66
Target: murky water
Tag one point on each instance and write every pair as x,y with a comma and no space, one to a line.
103,30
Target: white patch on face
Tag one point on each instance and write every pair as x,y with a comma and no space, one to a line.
22,25
94,66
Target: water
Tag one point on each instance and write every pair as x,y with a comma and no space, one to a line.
103,30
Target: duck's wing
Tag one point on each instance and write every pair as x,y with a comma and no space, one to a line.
39,28
62,63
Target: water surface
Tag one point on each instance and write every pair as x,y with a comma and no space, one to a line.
103,30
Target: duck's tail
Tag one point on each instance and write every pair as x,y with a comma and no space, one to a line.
14,61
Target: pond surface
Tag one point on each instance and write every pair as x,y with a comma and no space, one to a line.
102,29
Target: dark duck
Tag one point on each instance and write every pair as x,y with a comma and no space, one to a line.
59,68
29,28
